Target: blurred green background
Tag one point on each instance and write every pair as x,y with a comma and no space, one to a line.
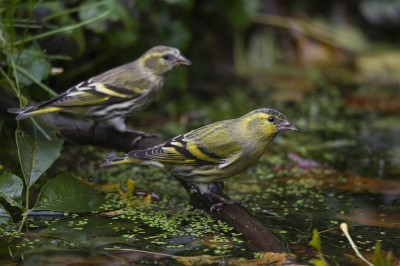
331,67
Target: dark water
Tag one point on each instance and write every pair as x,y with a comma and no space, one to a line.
342,165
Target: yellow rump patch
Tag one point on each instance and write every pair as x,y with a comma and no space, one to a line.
45,111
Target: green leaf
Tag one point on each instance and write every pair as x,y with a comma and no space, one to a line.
11,188
319,262
377,255
388,259
67,193
79,38
5,216
315,241
38,148
34,63
100,25
92,230
173,33
240,12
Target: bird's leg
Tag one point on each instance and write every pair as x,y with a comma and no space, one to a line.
141,133
92,128
221,184
223,201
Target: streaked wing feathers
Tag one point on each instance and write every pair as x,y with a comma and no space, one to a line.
173,152
207,145
87,93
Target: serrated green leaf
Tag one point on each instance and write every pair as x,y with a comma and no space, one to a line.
315,241
11,188
5,216
34,63
67,193
38,148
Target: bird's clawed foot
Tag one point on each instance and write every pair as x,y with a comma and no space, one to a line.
222,202
142,133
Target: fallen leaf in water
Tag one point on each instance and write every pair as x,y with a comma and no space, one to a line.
357,184
369,255
111,213
108,186
269,258
71,259
128,189
199,260
371,217
325,177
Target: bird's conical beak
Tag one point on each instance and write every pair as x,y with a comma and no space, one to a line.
286,126
181,60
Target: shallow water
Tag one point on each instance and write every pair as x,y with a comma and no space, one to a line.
340,166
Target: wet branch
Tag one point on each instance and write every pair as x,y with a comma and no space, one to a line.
105,136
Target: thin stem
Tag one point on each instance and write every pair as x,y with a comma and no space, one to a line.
27,209
31,7
10,82
26,73
72,10
345,229
22,25
63,29
40,129
16,77
318,33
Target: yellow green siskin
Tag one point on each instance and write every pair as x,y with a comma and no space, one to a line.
213,152
116,94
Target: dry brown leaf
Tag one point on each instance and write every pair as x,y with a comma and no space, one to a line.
353,182
357,183
370,257
272,259
374,102
108,186
198,260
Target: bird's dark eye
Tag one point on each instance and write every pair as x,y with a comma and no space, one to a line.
165,57
271,119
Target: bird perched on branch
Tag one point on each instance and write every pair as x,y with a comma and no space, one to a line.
213,152
116,94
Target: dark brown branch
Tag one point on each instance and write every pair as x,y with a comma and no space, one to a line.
236,216
78,131
105,136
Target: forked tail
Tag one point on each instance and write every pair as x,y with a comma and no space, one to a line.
110,161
